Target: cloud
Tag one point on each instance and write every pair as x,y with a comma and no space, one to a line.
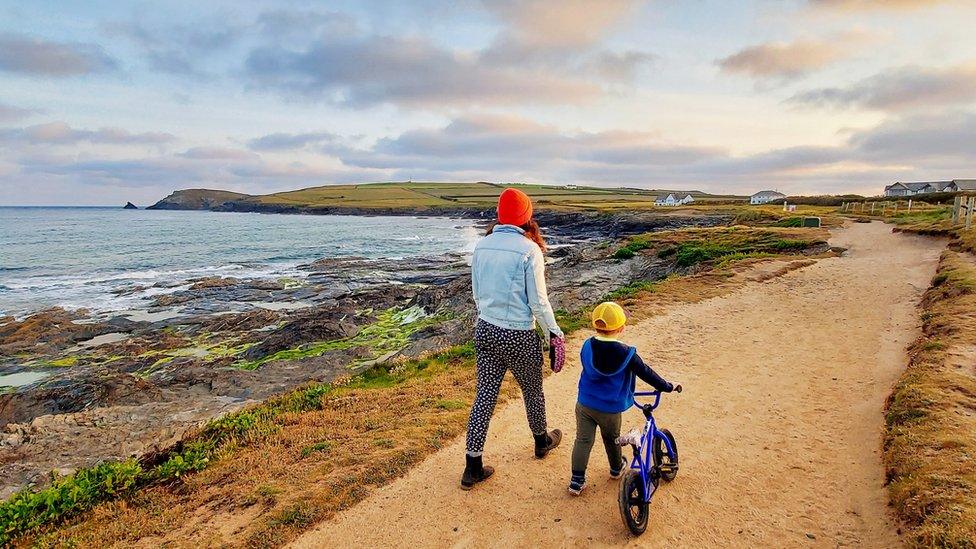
486,144
284,24
900,89
921,137
536,36
539,56
178,49
369,70
878,5
60,133
790,60
293,141
506,148
199,168
217,153
534,24
10,113
33,56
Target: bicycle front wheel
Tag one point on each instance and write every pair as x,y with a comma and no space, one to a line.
633,503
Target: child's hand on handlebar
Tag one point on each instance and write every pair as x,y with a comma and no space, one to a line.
677,387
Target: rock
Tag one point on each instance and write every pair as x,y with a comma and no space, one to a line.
213,282
318,324
130,206
47,331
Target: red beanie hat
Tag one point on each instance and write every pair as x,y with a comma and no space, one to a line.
514,207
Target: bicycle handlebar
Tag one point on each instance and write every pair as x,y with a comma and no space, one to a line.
655,394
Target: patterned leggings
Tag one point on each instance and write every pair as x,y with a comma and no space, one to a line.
500,350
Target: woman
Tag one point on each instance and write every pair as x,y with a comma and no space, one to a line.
509,285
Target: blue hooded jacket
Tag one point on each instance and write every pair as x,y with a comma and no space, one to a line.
611,392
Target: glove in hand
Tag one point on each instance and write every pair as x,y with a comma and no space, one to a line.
557,352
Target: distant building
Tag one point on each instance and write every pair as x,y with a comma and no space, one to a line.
959,185
904,188
900,188
765,197
668,200
688,199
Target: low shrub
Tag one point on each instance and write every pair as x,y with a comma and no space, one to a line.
66,496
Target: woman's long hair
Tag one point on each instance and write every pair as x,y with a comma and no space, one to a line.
532,232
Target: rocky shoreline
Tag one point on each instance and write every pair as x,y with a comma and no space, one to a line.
112,388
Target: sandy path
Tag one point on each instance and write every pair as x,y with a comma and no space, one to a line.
779,426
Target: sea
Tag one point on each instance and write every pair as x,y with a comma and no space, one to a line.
92,258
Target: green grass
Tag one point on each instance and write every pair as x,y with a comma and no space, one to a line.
634,244
789,222
570,321
694,246
322,446
632,289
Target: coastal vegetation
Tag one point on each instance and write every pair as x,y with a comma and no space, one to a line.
930,439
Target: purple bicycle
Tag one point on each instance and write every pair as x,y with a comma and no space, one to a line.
655,458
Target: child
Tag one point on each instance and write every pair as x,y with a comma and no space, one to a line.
606,389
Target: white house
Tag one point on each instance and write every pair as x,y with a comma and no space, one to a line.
688,199
765,197
668,200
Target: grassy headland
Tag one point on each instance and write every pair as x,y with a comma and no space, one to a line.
433,196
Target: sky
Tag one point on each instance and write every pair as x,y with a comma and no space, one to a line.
107,102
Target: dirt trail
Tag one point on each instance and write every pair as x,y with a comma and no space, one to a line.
778,429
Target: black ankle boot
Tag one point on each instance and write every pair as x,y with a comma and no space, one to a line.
474,472
546,442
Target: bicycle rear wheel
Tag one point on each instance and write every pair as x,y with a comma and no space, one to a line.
633,503
664,463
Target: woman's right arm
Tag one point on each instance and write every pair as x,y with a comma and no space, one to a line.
535,287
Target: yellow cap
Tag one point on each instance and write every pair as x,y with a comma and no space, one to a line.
608,316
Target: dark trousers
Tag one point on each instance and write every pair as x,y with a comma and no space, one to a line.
587,420
500,350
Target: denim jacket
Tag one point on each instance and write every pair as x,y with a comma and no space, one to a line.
508,280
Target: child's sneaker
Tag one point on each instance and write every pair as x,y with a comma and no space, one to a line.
615,474
632,438
576,484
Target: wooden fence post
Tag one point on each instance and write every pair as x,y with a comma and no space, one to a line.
873,204
884,208
969,211
909,205
956,204
895,211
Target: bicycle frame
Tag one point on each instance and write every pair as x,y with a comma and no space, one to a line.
643,460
